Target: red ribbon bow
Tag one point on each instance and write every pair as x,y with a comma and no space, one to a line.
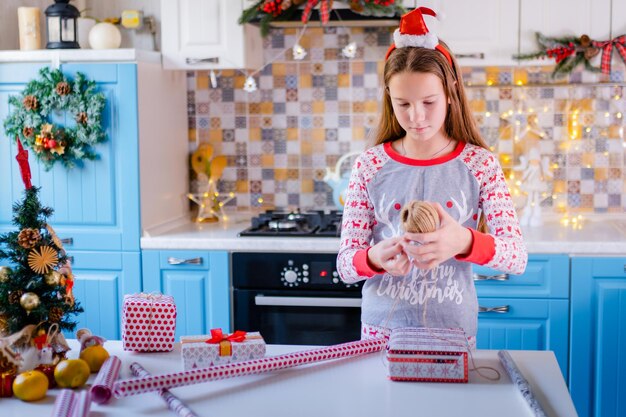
217,336
607,50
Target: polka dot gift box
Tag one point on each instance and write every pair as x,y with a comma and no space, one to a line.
148,322
219,348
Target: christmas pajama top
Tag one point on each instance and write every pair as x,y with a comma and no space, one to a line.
466,182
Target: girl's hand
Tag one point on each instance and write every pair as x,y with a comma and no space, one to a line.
389,255
437,247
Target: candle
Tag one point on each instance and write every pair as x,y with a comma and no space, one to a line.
28,23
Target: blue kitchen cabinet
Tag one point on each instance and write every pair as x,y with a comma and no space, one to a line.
96,206
198,281
528,311
597,378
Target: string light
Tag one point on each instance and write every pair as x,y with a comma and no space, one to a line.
250,84
298,52
349,51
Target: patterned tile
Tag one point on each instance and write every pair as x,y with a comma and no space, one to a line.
306,114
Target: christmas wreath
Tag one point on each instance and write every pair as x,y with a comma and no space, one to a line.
52,92
266,11
569,52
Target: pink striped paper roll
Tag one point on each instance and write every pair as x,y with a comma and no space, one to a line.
129,387
102,387
64,404
83,403
173,402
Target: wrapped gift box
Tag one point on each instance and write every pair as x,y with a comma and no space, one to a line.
216,349
148,323
428,355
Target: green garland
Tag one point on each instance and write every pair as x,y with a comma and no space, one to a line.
264,12
52,92
568,52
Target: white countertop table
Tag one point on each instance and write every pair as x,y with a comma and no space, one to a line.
598,236
343,387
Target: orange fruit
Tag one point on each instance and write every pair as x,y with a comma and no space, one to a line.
30,385
94,356
71,373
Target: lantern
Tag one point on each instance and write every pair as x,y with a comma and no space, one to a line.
61,24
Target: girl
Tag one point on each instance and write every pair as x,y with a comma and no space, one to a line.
427,148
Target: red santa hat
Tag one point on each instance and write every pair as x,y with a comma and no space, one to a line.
413,32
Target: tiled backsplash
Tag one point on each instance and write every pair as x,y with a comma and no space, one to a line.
306,114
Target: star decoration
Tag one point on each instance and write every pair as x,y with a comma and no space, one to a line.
210,205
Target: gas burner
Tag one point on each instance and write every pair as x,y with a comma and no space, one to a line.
312,223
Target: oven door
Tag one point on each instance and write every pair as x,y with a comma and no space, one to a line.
299,318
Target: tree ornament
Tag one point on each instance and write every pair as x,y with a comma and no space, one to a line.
29,301
52,92
53,278
43,260
28,238
14,296
5,272
55,314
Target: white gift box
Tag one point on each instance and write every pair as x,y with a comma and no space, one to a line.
198,352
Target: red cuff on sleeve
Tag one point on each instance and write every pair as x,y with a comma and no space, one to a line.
362,265
482,251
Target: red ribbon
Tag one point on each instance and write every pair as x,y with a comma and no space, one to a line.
607,50
22,161
217,336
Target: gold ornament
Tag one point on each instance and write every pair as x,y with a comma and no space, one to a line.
42,261
53,278
29,301
54,236
28,238
5,271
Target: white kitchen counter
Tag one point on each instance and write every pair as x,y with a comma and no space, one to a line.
599,236
343,387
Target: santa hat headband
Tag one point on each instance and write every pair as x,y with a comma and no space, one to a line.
413,32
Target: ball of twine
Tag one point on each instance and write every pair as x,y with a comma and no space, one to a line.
419,217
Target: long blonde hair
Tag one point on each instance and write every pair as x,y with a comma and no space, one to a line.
459,123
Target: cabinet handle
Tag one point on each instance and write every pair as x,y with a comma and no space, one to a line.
178,261
194,61
500,277
499,309
68,241
477,55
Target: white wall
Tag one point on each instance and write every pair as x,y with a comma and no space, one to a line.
100,9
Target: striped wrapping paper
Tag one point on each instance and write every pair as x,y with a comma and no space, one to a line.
82,404
64,404
173,402
129,387
102,387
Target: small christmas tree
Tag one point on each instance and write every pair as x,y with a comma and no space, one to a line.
37,288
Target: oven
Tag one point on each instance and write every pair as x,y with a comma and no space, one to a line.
294,298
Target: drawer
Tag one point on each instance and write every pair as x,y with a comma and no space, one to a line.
184,260
546,276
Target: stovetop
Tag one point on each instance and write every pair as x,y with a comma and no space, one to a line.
309,223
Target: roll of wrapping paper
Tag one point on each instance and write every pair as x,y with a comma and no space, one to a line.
82,404
102,387
136,386
173,402
64,404
522,385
